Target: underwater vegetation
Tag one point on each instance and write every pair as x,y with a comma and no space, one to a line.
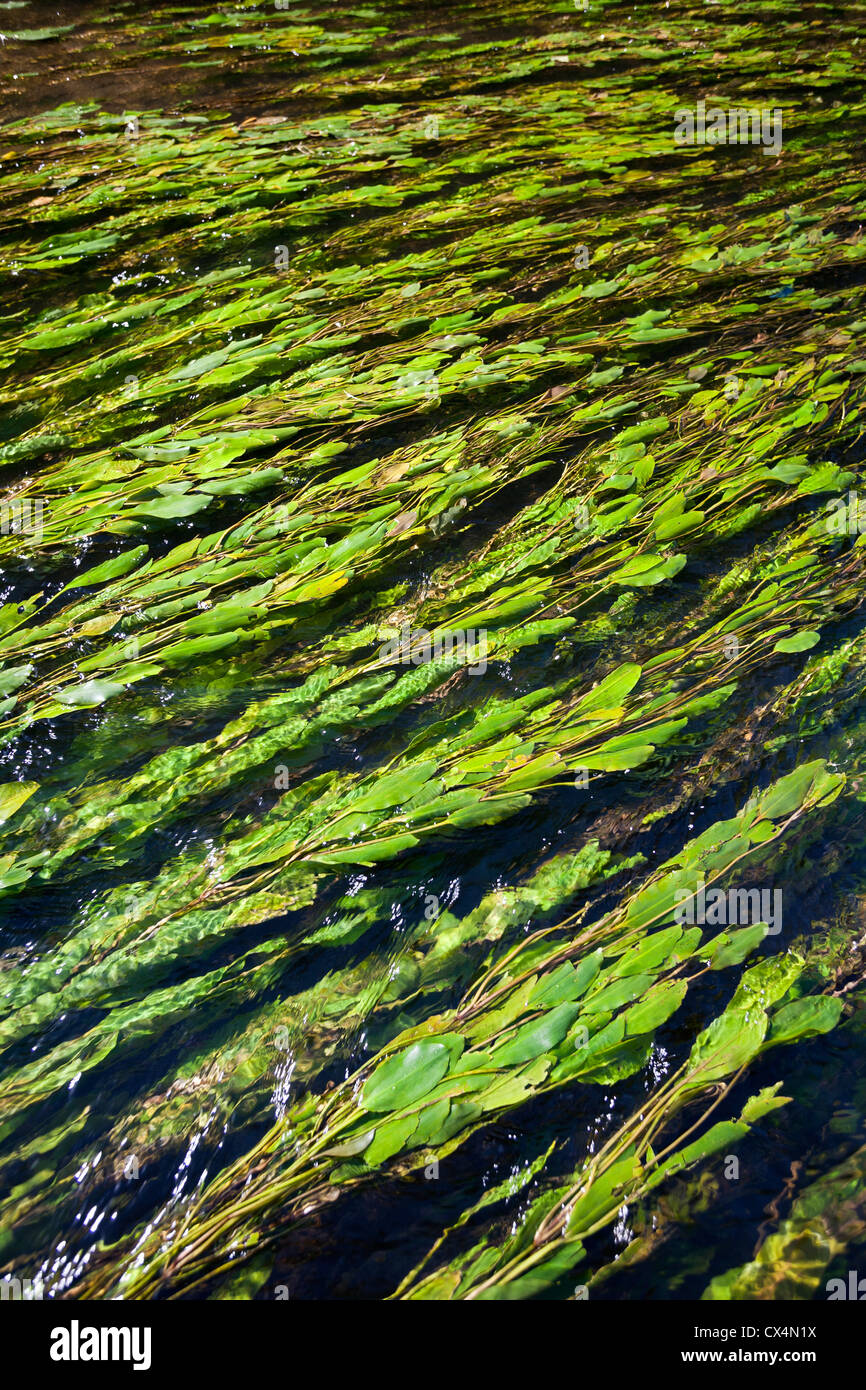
432,650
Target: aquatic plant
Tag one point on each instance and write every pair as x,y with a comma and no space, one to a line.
432,575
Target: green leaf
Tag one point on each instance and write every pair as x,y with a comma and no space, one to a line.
514,1087
732,947
619,992
656,1008
14,677
564,984
800,642
618,761
395,788
537,1037
240,485
111,569
675,526
487,812
432,1122
604,1194
405,1077
180,652
789,793
89,694
767,1100
730,1042
610,692
39,35
804,1018
600,289
646,570
374,852
390,1138
200,365
723,1135
351,1147
170,508
13,795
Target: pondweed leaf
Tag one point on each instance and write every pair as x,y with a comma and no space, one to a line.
406,1077
533,1039
800,642
804,1018
88,694
730,1042
327,443
13,795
